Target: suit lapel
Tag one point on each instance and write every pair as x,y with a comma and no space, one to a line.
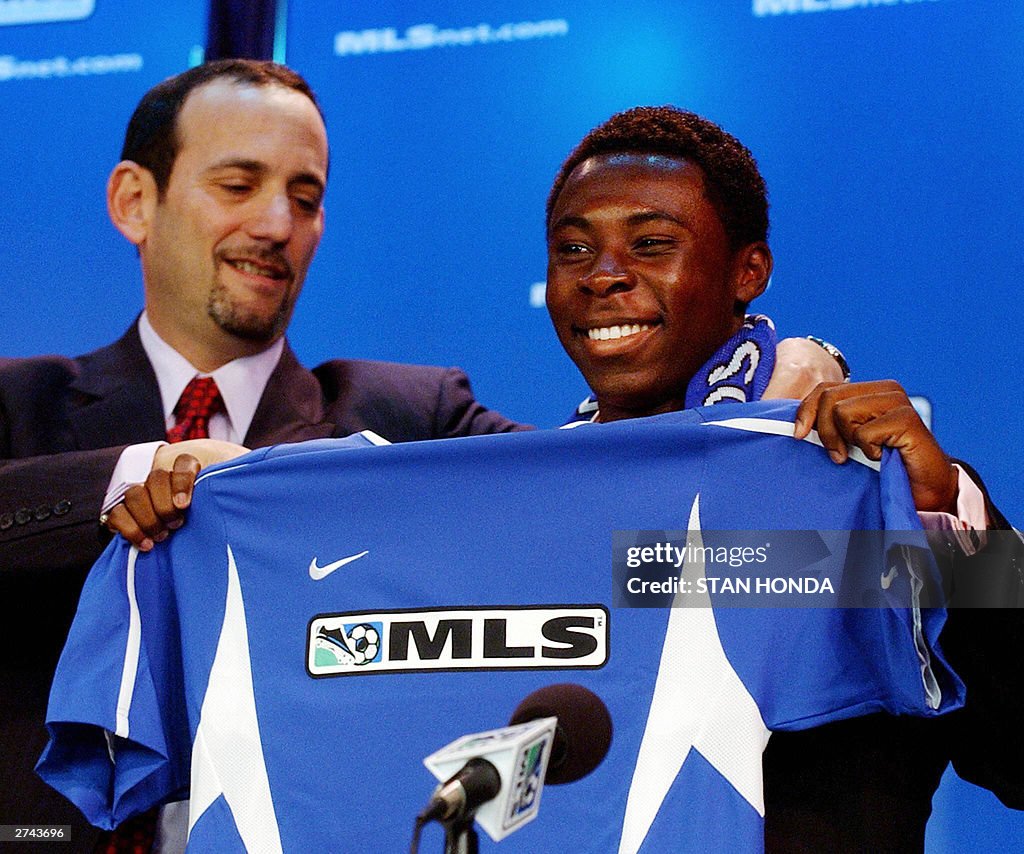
291,408
117,399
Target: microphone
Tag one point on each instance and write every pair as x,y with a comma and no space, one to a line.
557,734
583,733
477,782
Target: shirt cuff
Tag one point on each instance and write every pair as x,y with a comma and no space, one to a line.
132,467
967,528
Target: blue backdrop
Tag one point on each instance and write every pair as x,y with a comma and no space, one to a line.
889,132
67,89
889,136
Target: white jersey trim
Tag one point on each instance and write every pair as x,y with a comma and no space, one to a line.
785,428
130,668
227,754
373,438
699,703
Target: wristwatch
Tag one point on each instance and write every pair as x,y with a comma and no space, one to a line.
835,353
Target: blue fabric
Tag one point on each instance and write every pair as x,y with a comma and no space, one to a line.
499,522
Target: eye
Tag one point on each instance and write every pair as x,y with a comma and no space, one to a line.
308,205
571,248
654,245
235,188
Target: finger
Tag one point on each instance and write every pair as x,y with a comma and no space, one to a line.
807,411
843,408
159,490
139,506
894,428
120,521
183,478
861,389
851,414
825,424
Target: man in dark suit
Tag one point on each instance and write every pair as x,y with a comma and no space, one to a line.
220,187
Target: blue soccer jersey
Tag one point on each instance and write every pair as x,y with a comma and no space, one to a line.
335,611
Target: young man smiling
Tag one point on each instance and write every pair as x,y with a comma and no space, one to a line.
657,241
643,280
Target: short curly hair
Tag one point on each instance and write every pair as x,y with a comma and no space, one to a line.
733,183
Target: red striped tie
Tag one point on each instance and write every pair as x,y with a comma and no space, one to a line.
198,402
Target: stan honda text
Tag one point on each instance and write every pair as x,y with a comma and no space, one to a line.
725,584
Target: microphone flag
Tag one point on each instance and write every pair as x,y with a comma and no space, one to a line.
520,753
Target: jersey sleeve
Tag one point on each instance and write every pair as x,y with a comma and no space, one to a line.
910,584
115,749
873,646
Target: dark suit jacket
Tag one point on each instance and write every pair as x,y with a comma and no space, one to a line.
63,425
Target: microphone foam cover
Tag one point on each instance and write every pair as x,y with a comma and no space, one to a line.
584,731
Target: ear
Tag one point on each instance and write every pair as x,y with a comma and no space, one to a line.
752,267
131,200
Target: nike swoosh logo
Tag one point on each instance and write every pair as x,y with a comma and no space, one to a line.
318,573
887,577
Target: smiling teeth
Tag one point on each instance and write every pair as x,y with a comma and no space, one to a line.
606,333
253,269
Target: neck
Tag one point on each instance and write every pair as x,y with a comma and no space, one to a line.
611,410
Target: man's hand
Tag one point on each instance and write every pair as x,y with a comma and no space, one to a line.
875,414
800,365
151,510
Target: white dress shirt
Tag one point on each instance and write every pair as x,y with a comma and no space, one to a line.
241,383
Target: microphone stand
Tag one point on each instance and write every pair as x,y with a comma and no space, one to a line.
460,836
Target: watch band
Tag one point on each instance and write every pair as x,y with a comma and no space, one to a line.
835,353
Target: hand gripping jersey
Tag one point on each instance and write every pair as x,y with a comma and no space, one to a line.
335,611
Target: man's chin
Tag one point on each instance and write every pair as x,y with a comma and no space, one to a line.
253,326
257,334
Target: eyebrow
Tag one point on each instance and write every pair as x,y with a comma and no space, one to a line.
633,221
577,221
655,216
259,168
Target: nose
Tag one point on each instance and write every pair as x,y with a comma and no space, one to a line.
608,275
272,219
